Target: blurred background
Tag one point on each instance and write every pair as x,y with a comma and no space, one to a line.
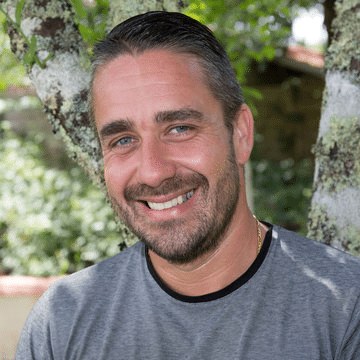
54,221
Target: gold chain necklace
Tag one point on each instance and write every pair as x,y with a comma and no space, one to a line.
258,234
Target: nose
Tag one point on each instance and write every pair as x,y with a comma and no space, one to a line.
155,164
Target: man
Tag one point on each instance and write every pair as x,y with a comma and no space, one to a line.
207,280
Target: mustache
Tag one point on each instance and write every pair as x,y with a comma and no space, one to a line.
178,182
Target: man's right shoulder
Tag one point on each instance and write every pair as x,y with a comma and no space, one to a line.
105,275
70,304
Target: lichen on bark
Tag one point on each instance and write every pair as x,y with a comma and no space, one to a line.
63,84
338,154
321,227
324,228
344,52
50,21
335,211
354,240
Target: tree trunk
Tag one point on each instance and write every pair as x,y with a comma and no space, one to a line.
334,216
62,85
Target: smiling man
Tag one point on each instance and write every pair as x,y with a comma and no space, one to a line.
207,280
158,123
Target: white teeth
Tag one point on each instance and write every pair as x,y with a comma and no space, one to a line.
171,203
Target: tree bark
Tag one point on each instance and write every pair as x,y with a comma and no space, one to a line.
335,209
62,85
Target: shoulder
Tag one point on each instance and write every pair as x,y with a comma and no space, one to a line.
316,260
107,274
64,300
70,305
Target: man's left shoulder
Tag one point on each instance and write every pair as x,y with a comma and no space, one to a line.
318,258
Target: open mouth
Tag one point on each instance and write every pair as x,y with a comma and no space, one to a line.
171,203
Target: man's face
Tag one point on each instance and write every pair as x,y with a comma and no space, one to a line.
170,167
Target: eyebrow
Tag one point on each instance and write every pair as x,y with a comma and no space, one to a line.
162,117
169,116
116,127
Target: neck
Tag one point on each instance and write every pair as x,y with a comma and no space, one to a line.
218,268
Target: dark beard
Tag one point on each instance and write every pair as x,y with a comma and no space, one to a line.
176,242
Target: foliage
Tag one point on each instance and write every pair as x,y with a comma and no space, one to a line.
12,72
51,222
249,30
282,192
91,20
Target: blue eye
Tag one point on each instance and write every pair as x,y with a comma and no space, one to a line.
180,129
125,141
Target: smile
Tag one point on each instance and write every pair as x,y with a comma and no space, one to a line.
171,203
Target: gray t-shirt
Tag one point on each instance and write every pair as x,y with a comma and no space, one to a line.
298,300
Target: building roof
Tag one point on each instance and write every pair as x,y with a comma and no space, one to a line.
302,54
303,59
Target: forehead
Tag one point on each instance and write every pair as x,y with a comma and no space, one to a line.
159,62
136,87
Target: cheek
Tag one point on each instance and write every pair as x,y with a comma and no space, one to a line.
188,156
208,159
114,177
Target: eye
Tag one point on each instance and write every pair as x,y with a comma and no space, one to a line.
123,144
124,141
179,129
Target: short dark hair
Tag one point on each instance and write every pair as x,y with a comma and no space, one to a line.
180,34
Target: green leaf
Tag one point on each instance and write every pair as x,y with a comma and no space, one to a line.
102,6
29,57
86,32
252,92
18,11
79,8
269,52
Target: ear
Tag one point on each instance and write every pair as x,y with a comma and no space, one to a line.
243,134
